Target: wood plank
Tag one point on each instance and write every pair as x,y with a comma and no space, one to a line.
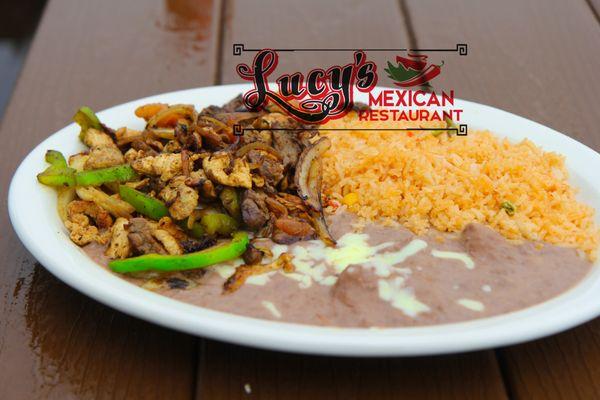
526,59
225,369
595,5
522,58
312,24
565,366
55,342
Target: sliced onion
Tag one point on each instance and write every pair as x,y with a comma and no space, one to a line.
65,196
321,228
314,181
294,227
236,116
309,182
163,133
169,116
210,120
276,207
113,205
258,145
308,179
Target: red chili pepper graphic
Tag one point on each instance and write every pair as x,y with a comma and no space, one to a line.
425,76
417,65
412,70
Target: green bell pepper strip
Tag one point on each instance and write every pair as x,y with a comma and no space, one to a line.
86,119
219,223
165,263
144,204
154,208
231,202
196,230
96,177
55,159
59,174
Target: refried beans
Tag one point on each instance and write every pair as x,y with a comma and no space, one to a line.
379,276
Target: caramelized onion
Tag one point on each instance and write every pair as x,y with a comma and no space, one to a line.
258,145
210,120
294,227
236,116
307,181
320,226
169,117
163,133
276,207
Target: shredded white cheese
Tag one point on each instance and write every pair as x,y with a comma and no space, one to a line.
453,255
400,297
472,305
272,308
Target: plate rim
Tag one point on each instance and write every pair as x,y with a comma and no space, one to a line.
404,341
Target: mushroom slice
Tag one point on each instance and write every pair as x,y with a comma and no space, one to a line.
141,239
255,213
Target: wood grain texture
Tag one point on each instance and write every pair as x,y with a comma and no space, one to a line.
538,61
564,366
225,370
535,59
55,342
311,24
595,5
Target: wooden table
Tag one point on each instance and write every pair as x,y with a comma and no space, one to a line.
532,57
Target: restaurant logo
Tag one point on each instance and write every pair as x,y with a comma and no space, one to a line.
317,97
321,95
412,71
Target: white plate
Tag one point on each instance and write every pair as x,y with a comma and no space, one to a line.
33,214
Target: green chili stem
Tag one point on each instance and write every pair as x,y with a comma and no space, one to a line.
219,223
